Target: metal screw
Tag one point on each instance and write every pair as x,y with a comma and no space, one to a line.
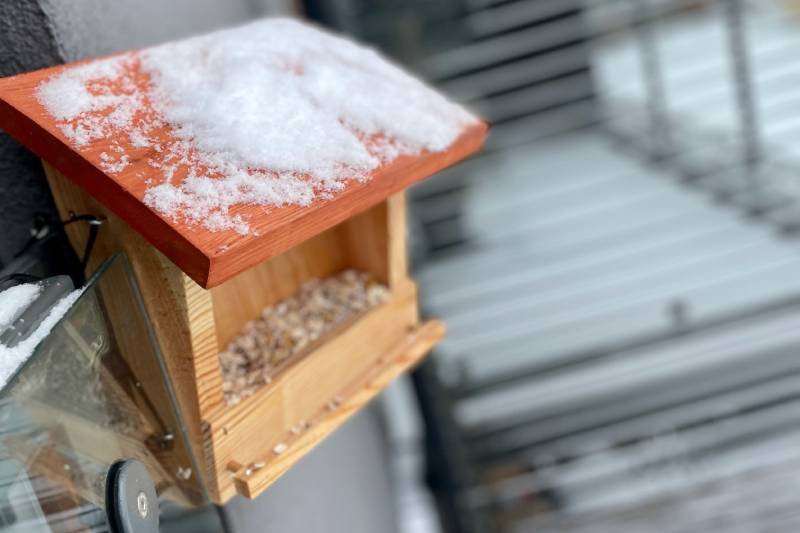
166,440
184,473
280,448
141,504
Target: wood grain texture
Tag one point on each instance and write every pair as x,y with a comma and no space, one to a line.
243,297
397,236
245,432
351,365
180,311
207,257
48,462
251,481
102,446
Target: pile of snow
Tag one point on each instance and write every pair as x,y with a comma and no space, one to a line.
273,113
13,302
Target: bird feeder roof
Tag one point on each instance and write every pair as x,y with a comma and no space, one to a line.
227,149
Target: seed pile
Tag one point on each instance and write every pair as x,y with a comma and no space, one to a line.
286,328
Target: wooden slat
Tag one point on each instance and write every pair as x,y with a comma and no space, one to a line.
245,432
253,478
180,311
398,240
192,323
207,257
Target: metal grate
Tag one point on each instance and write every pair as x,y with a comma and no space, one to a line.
619,271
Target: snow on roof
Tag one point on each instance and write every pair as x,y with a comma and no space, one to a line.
272,113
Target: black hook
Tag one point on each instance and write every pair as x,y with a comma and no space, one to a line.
94,223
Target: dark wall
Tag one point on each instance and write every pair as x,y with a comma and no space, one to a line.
26,43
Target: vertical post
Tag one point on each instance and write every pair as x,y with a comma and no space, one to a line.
743,83
656,101
449,473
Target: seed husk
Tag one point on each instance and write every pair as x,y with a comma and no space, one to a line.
290,326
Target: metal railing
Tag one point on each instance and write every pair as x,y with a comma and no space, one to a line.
618,270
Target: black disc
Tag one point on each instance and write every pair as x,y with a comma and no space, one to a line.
131,500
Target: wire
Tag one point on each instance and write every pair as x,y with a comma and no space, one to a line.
94,223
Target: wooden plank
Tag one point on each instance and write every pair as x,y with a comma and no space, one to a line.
180,311
105,445
242,433
187,318
397,231
48,462
253,478
365,238
243,297
207,257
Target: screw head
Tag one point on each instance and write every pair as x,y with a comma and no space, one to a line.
142,504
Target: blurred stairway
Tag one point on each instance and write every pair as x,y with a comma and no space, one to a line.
601,309
618,274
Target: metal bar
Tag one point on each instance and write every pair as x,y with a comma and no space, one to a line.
764,420
628,260
634,420
506,76
656,101
506,17
743,83
588,240
448,471
572,335
532,315
619,348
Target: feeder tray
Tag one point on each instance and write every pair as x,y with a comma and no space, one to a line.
201,287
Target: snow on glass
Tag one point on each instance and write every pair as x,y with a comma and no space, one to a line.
273,113
13,302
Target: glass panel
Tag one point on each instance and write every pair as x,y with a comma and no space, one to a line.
94,392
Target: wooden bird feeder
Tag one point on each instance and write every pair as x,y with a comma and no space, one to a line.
201,286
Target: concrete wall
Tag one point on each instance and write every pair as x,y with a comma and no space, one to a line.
89,28
342,486
26,43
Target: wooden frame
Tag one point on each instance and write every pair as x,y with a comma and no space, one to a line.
246,447
208,284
